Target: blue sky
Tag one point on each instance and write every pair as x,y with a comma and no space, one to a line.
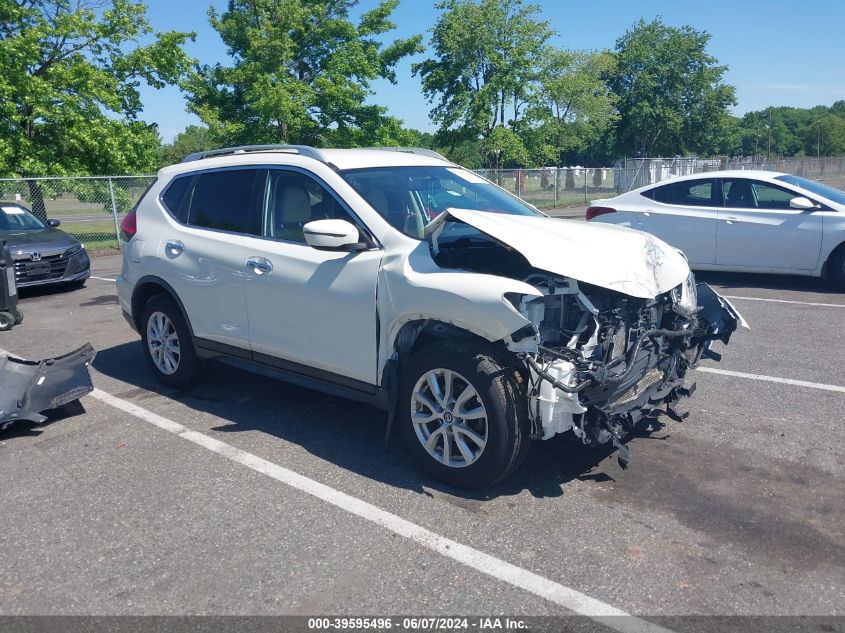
779,52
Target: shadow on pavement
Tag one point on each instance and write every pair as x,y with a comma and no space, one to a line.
346,433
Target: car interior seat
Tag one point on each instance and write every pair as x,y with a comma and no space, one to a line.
740,195
293,211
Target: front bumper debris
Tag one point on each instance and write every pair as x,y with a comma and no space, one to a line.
28,388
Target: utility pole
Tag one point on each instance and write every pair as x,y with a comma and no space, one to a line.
769,130
819,139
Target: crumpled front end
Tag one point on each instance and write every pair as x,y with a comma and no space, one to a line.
599,361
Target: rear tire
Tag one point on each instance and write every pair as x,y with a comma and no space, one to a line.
168,344
836,267
7,321
438,384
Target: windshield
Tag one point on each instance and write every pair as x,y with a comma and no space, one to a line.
410,197
836,195
14,217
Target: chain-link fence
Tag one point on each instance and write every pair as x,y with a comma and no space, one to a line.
89,208
549,187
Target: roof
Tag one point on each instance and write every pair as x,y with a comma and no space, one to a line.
336,158
360,158
727,173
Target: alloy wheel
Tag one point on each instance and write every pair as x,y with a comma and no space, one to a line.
449,418
163,343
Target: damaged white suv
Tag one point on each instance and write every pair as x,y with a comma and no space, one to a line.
398,278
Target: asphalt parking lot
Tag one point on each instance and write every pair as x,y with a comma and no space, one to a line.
249,507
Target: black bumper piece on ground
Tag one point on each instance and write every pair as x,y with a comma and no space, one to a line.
27,388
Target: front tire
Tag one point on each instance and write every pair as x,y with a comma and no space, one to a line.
168,345
461,415
836,267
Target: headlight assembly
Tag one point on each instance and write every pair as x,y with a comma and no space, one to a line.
73,250
684,297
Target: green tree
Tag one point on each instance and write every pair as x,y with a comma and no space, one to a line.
194,138
503,148
71,73
301,73
486,58
830,138
672,99
574,102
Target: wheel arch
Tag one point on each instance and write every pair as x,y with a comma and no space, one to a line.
835,252
146,288
417,334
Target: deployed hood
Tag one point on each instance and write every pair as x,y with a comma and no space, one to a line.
613,257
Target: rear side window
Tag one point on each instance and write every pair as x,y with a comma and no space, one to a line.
224,200
690,193
175,198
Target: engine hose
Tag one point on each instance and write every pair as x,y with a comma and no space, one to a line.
556,383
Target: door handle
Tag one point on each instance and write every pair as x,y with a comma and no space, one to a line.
733,220
259,265
174,248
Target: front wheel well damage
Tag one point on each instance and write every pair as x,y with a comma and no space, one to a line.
419,334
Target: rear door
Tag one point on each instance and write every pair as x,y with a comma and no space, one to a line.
758,229
684,214
203,253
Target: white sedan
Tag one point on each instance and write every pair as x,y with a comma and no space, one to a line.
744,221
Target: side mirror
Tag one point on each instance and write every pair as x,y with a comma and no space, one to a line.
333,235
802,203
53,223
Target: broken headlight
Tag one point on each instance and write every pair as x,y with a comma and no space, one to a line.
685,298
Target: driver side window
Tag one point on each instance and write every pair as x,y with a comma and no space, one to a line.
291,200
739,193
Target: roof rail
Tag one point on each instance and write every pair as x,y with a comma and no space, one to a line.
302,150
422,151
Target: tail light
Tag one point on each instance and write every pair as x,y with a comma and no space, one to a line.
594,212
129,226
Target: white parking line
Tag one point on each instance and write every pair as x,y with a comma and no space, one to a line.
103,278
784,381
550,590
800,303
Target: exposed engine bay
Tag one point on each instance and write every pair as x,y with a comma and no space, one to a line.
599,361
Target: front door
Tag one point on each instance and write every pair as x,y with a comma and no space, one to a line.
758,229
310,309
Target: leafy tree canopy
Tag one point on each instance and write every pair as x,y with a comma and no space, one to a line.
486,57
71,73
573,104
672,99
301,72
194,138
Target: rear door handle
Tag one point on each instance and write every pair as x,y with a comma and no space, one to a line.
259,265
733,220
174,248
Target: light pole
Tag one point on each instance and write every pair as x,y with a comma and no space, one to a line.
819,138
768,142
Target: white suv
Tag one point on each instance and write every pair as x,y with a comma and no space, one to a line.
398,278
